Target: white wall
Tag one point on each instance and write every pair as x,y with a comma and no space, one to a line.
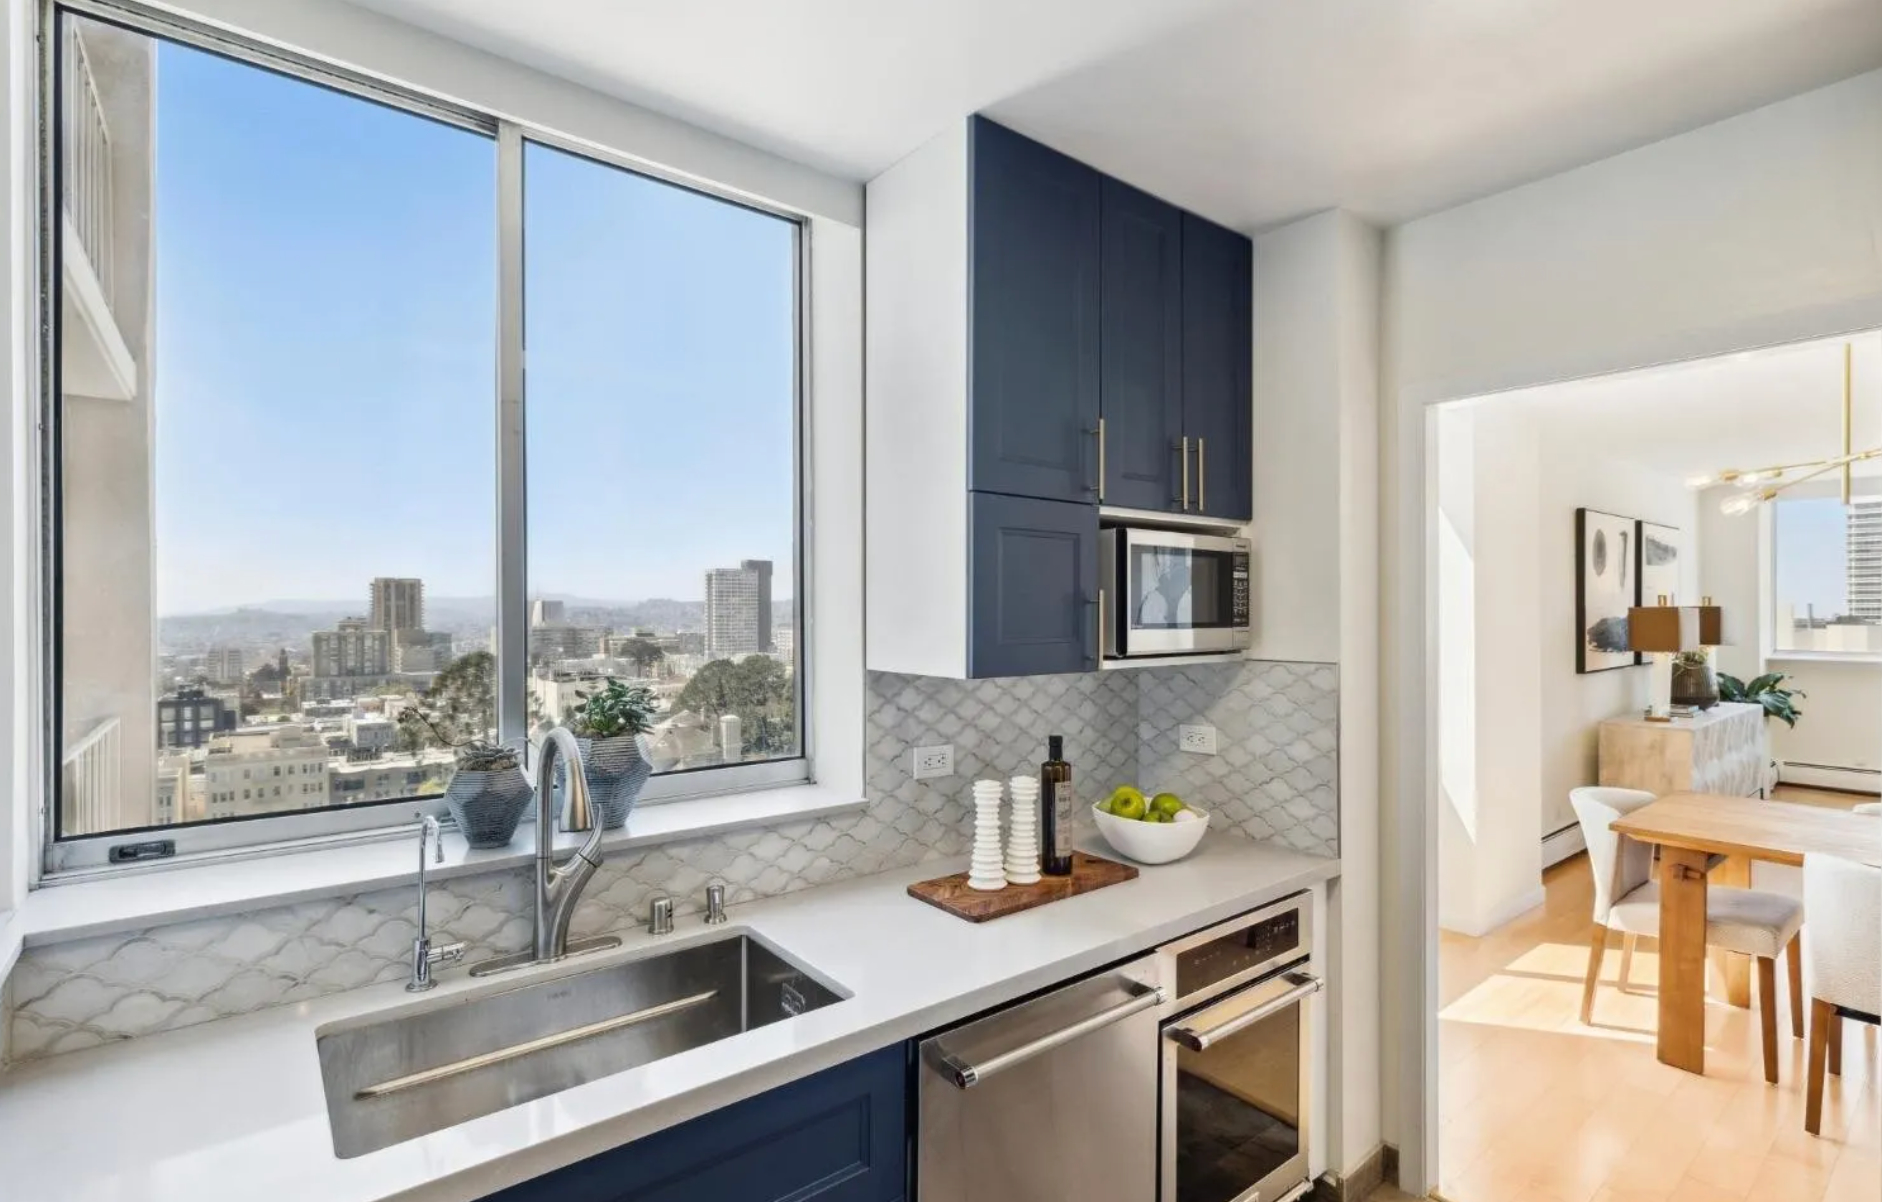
1297,440
1577,473
1316,290
1517,725
1756,230
1491,543
19,754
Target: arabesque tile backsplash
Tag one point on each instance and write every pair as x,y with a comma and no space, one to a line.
1275,777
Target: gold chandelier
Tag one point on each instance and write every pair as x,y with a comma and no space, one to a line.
1763,484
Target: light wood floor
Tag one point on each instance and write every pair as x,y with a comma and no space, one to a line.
1535,1107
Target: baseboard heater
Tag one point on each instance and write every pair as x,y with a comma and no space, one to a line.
1830,776
1562,844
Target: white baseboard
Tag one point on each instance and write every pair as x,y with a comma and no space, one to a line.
1504,914
1562,844
1830,776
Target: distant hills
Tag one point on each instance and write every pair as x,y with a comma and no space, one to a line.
290,622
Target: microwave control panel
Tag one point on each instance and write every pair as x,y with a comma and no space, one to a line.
1238,596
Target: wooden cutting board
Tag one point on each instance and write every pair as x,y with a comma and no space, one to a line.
951,893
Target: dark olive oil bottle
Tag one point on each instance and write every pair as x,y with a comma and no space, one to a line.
1055,810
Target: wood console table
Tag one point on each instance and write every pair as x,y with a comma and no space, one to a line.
1721,750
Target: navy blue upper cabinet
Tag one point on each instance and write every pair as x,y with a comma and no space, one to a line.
1033,271
1032,585
1218,347
1141,381
838,1136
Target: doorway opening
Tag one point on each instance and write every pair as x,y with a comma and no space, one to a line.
1553,511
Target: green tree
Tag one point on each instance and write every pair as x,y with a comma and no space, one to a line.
644,653
758,689
462,701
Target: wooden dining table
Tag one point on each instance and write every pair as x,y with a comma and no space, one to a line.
1691,828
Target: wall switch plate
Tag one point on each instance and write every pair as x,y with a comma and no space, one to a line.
931,762
1197,739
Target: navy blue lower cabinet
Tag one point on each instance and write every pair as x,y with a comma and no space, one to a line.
839,1136
1032,586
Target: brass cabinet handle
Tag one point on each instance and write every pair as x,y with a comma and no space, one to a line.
1184,456
1202,474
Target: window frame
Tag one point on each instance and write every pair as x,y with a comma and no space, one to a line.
1866,488
88,856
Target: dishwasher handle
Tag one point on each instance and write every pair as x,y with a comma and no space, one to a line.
1200,1041
964,1075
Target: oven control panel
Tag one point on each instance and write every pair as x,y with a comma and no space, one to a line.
1274,937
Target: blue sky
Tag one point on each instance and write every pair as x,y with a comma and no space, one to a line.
1809,536
325,365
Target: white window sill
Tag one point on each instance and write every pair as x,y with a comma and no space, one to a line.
9,942
58,913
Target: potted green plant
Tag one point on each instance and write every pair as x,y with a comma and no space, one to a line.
1767,691
1693,681
608,725
488,793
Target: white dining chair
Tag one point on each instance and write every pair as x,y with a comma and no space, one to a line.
1845,953
1626,899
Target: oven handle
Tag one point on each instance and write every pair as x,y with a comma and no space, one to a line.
964,1075
1200,1041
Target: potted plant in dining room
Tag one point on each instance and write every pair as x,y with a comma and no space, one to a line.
608,725
488,793
1767,691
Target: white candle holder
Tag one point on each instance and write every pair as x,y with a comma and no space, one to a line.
1022,841
987,872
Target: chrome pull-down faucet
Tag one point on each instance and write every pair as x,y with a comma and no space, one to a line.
558,886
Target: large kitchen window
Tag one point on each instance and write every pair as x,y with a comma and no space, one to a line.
292,505
1827,575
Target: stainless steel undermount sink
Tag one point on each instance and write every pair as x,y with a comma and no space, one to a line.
391,1079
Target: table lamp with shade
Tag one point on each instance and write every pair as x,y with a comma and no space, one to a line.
1663,631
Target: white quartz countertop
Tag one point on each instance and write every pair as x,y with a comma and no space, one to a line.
233,1111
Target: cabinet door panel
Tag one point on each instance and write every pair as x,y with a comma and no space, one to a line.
1033,332
838,1136
1142,343
1032,586
1218,396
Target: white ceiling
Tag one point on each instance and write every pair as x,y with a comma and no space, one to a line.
1250,111
1752,410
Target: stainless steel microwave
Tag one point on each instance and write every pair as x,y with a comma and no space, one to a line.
1175,593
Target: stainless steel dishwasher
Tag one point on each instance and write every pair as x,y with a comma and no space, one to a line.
1053,1099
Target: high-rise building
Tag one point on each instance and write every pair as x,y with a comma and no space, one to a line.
191,717
1865,559
398,603
355,649
738,609
223,665
547,613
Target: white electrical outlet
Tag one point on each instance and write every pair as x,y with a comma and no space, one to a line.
1197,739
934,761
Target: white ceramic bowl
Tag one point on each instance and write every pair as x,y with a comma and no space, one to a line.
1151,842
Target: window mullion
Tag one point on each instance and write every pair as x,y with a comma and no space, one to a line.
512,561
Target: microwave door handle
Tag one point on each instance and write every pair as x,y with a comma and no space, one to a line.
1201,1041
964,1075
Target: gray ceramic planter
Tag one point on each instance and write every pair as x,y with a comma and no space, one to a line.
488,805
616,770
